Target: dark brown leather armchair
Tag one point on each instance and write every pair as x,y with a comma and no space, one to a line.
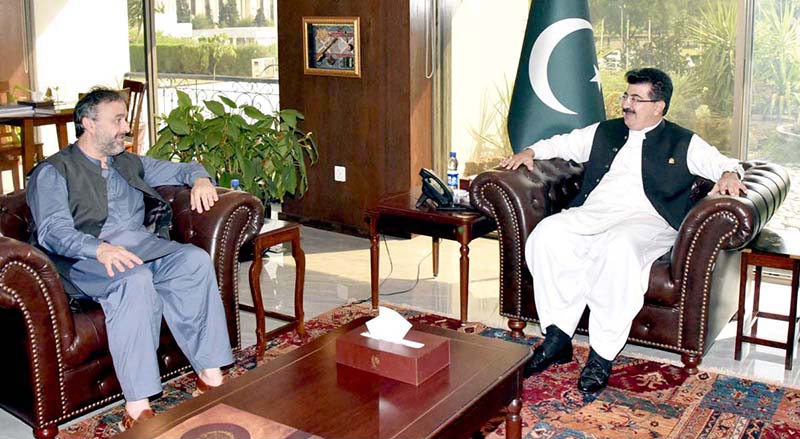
56,365
693,289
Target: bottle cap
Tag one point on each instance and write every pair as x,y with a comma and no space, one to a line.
452,153
235,182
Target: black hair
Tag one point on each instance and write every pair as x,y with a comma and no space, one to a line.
660,82
87,105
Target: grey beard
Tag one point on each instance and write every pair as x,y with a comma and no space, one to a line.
111,149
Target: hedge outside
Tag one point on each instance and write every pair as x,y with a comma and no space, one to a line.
191,58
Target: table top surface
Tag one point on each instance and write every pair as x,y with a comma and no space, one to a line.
306,389
403,204
778,242
62,114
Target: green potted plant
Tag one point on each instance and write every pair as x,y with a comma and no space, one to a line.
266,153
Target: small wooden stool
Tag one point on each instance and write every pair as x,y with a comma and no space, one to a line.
285,232
775,250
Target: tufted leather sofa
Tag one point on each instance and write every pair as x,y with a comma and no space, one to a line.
56,365
693,289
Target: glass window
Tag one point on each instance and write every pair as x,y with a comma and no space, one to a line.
774,117
693,40
212,48
79,45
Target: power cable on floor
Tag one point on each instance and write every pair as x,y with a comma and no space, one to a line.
391,269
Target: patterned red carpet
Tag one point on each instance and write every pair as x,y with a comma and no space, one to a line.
644,399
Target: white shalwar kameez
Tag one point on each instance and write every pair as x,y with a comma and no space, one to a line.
599,254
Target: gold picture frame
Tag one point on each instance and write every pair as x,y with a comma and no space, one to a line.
332,46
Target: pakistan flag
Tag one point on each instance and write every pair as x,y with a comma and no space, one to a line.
558,83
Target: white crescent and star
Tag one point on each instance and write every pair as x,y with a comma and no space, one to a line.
540,58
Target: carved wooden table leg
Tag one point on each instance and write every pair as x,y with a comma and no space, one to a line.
514,420
374,253
300,276
258,302
435,251
286,233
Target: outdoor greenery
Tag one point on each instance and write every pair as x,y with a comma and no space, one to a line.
216,47
260,19
267,153
228,13
491,136
184,55
183,12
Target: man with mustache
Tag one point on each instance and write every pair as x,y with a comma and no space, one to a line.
638,174
106,229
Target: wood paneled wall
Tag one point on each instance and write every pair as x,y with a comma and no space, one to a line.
377,126
12,44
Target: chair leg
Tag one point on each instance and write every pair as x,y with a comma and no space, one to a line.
516,327
690,362
15,176
48,432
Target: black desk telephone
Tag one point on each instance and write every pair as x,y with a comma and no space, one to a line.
434,189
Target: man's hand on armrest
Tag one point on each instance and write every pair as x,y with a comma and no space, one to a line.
114,256
524,157
204,195
729,184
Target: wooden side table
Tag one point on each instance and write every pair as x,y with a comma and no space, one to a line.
772,249
398,213
285,232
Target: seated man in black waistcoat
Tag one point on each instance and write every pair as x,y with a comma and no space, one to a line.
638,173
107,231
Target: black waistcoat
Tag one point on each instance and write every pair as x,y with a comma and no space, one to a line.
87,191
665,174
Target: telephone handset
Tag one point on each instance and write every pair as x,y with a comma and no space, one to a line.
434,189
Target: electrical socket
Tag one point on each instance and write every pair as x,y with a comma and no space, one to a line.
339,173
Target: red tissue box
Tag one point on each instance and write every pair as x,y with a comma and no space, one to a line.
392,360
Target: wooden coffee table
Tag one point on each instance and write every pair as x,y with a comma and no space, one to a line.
398,213
307,390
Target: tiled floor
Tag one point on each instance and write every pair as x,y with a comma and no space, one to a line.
337,271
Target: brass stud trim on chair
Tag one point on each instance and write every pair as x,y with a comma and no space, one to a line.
516,241
706,278
252,221
37,375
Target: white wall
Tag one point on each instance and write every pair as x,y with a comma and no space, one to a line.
486,43
79,44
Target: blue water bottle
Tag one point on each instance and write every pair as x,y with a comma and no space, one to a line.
452,171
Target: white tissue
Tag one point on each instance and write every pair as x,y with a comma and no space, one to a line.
390,326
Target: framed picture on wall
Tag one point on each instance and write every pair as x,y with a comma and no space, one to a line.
331,46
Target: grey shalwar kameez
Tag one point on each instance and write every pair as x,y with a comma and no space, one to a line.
176,280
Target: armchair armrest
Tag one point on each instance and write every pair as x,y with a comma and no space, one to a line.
233,220
722,222
521,198
36,323
517,200
714,224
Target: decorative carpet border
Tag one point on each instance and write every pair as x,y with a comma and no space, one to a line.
645,398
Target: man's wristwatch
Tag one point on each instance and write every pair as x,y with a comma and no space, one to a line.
738,170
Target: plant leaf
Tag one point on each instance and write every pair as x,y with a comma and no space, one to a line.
183,99
254,113
233,132
185,143
178,125
290,179
290,118
215,107
228,102
213,138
